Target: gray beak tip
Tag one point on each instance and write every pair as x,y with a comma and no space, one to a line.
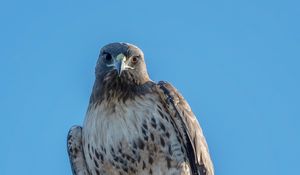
120,63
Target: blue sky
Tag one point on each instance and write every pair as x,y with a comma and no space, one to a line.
236,62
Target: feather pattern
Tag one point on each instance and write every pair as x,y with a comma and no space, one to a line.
135,126
75,151
186,122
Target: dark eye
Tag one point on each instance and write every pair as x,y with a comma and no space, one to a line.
107,57
135,59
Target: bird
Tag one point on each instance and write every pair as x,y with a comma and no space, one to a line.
134,125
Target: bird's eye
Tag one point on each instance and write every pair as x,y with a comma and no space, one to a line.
107,57
135,59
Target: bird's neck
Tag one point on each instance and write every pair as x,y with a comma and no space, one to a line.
117,90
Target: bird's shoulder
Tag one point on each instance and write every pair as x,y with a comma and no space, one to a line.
187,125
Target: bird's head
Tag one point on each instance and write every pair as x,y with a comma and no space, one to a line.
121,62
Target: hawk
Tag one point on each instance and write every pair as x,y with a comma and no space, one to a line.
134,125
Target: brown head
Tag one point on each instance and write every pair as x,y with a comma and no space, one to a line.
120,72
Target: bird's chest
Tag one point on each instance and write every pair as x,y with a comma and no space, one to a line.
136,137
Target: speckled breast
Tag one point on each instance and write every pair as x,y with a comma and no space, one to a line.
132,137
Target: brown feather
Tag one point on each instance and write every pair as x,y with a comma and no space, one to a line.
187,123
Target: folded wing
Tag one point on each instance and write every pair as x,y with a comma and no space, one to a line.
75,151
190,131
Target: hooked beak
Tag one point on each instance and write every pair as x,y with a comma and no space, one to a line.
120,64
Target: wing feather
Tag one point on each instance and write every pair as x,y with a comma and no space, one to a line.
75,151
189,128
